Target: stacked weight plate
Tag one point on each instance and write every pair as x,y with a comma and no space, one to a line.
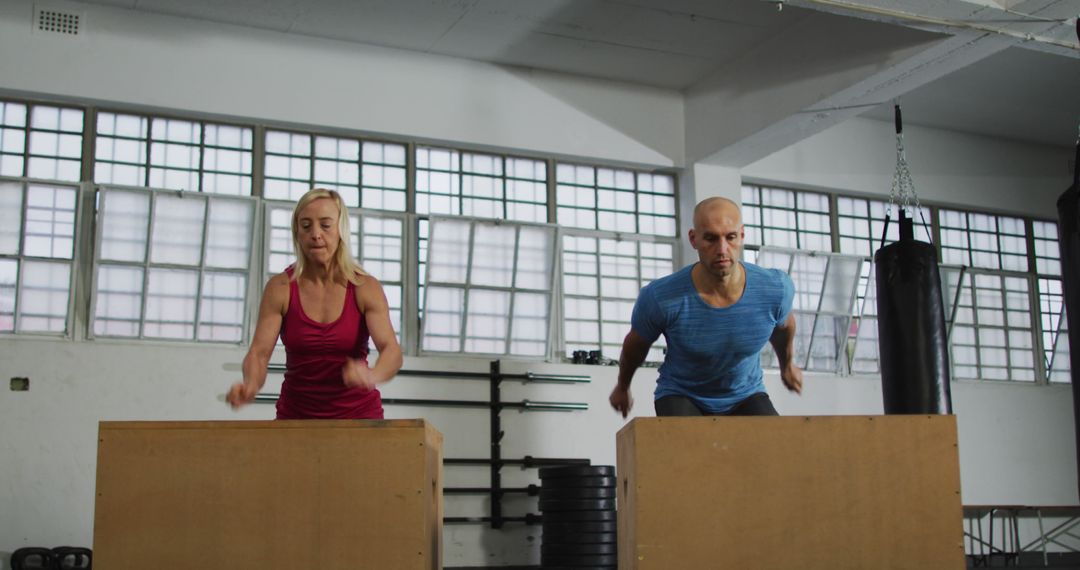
578,505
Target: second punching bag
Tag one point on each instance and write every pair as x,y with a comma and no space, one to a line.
911,327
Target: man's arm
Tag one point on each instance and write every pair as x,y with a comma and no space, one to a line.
783,342
634,350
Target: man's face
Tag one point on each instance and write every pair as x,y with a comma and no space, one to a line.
718,238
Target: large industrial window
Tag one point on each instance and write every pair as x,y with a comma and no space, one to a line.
156,152
601,278
824,295
786,218
603,271
37,246
40,141
860,223
367,174
1003,302
459,183
489,288
1055,334
376,240
615,200
172,266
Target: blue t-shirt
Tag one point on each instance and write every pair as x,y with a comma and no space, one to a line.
713,354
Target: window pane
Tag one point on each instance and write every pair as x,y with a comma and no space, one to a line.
124,220
487,320
221,307
118,301
444,309
9,272
43,296
534,258
11,197
493,256
55,143
228,239
170,304
178,230
449,241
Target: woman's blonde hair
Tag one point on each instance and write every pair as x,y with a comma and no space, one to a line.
343,265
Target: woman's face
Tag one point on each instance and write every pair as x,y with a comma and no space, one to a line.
317,231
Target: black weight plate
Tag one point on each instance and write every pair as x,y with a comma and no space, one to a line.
570,494
578,482
578,516
564,528
577,567
583,560
577,505
577,471
612,567
577,549
580,538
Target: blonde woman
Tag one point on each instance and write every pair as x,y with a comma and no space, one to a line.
325,307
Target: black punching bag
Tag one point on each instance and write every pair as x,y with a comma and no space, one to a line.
1068,206
911,327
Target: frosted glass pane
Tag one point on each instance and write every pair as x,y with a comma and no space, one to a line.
50,222
124,220
443,311
118,301
228,241
865,359
774,260
493,256
448,251
808,274
44,292
839,291
170,304
829,334
178,229
535,247
11,196
486,322
221,307
530,318
9,271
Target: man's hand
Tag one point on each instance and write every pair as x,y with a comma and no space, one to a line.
791,376
621,400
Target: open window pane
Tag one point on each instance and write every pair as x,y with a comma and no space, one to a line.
178,230
125,219
11,198
44,290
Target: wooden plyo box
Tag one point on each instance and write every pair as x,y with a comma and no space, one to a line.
268,495
851,492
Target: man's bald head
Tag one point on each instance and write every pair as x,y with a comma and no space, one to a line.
716,207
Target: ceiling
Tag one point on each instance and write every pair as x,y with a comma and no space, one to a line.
1015,93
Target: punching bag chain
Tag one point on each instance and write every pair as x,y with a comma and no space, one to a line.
903,193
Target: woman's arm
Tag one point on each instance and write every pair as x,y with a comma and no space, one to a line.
371,300
272,308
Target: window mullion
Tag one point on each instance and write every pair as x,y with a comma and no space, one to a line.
146,265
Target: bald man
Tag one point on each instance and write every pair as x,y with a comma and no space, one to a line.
716,315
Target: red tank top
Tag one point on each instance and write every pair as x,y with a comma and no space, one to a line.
314,356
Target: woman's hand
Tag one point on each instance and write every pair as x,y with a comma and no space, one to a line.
241,394
357,374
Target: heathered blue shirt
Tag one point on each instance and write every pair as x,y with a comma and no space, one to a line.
713,354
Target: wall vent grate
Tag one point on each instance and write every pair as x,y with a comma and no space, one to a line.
57,22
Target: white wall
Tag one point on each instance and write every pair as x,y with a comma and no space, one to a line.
859,156
231,71
1016,441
